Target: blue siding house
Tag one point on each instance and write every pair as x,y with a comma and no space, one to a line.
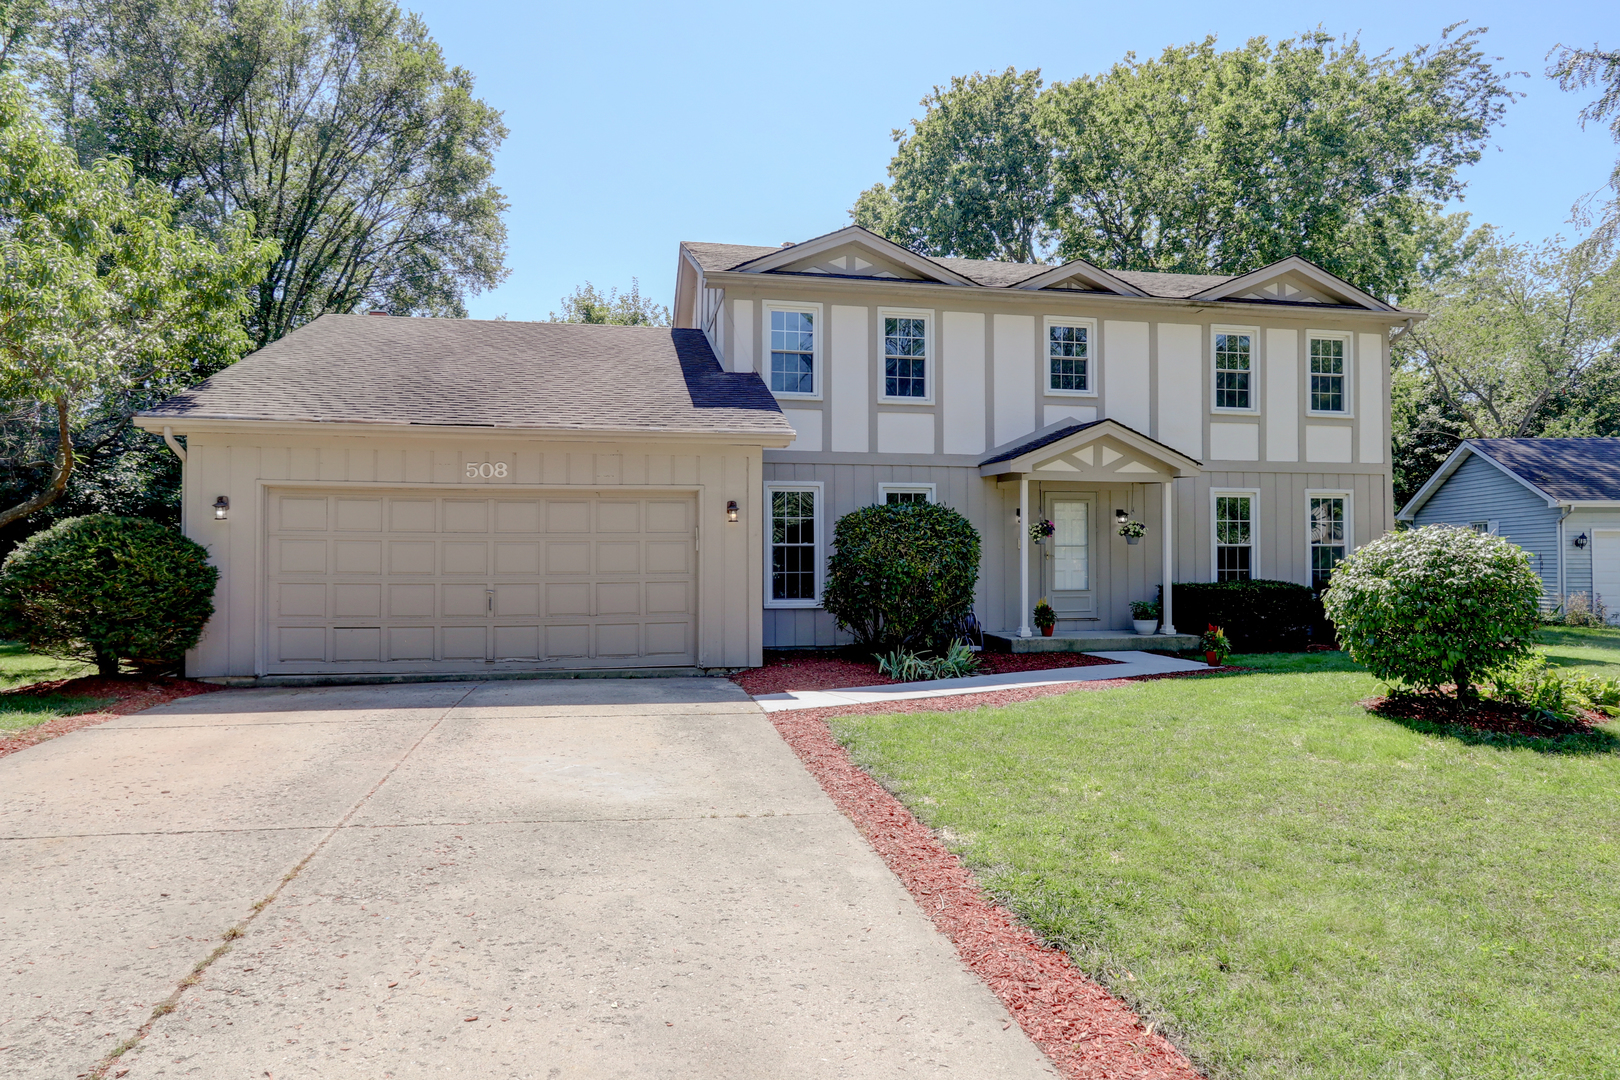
1559,499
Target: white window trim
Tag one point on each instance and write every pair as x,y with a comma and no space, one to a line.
1253,495
1254,369
884,489
1349,520
1093,356
930,351
1349,339
817,350
819,488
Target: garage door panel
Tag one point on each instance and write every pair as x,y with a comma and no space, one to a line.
357,556
435,581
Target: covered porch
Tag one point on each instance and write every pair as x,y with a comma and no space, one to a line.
1082,481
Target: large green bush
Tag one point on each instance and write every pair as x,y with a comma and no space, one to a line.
1436,605
1258,616
901,575
104,589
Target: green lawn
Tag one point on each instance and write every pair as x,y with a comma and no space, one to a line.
1295,887
18,668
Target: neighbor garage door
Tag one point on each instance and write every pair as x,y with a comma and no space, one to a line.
424,581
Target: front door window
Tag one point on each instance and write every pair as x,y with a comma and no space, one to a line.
1071,546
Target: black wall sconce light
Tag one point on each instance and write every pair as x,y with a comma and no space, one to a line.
221,506
731,510
1580,541
1122,516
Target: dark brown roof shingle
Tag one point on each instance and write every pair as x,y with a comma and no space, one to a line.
461,372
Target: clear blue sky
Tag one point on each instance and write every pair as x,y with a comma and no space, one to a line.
636,126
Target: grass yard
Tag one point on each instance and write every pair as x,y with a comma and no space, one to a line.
18,668
1291,886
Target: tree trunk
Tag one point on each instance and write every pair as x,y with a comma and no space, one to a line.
106,665
59,479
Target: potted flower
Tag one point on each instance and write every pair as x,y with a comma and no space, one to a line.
1039,530
1133,531
1145,616
1215,645
1045,617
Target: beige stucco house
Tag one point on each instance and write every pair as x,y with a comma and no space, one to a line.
391,495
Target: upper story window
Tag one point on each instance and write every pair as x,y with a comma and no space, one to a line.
1069,356
1234,537
1327,374
793,349
1234,370
905,356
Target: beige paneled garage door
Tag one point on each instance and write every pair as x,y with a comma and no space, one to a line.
423,581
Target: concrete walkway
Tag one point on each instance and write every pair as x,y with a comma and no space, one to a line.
546,879
1130,664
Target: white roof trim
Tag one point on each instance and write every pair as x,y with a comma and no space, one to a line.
1080,268
781,257
1451,465
1300,266
1179,463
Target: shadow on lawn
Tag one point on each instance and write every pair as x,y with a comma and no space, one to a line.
1493,724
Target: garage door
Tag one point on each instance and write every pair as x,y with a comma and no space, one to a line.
422,581
1606,568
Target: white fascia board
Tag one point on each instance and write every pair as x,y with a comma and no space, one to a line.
1082,269
1179,463
218,425
852,234
1303,267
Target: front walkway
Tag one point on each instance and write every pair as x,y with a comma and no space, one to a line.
627,878
1130,664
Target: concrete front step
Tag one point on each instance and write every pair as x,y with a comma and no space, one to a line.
1088,641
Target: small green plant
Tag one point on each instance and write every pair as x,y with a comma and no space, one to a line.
1133,530
1214,640
1579,609
1535,687
1594,691
1045,615
1144,609
958,662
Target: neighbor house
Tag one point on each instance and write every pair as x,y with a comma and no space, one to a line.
415,495
1559,499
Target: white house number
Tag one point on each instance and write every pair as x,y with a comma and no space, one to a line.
485,470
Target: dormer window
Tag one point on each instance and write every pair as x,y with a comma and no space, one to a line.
793,352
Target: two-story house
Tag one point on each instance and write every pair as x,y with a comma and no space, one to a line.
396,495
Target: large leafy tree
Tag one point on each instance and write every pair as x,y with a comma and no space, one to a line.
1204,161
101,293
1581,69
588,304
336,124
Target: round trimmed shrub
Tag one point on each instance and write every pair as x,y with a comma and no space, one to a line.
1436,605
104,589
901,575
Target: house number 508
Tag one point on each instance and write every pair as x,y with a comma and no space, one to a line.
485,470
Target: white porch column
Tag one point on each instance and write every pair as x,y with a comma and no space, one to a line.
1167,623
1023,554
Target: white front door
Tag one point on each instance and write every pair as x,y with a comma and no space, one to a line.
1068,576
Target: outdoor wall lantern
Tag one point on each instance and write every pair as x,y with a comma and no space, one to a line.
731,510
1122,516
1580,541
221,505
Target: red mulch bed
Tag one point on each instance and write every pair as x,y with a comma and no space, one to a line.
1482,715
1087,1032
784,671
132,695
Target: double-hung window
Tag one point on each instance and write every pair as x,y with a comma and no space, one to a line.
1328,373
1329,527
1234,370
1234,536
1070,356
905,356
793,544
793,351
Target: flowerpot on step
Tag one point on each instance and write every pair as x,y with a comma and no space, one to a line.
1145,626
1213,658
1046,631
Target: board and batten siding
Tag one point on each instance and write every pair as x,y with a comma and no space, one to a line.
243,466
1479,491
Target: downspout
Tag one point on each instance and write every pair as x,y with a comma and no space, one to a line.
1405,328
179,452
1562,592
174,444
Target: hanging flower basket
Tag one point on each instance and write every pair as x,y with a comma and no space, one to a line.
1133,531
1041,529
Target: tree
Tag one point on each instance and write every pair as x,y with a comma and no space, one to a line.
973,178
335,123
101,291
1522,340
1577,69
588,305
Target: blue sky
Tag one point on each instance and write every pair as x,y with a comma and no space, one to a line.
636,126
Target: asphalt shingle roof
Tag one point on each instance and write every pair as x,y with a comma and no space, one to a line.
561,376
1575,470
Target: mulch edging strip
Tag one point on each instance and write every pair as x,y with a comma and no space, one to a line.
1088,1033
134,695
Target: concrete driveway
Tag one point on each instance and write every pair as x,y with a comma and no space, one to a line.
548,879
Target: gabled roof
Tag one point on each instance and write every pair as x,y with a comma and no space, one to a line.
1560,471
1091,275
1331,283
365,369
780,258
1065,435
